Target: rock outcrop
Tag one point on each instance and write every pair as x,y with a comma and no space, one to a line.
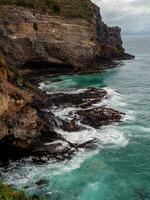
107,35
77,40
24,124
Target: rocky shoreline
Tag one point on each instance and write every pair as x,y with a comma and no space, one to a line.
48,143
42,43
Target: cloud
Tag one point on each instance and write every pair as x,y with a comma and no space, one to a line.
133,16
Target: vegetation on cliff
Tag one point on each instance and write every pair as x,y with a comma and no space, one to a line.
67,8
8,193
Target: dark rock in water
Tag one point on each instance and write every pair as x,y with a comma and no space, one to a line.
98,117
83,99
127,56
41,182
71,126
59,149
55,147
89,144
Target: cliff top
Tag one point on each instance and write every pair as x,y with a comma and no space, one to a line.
66,8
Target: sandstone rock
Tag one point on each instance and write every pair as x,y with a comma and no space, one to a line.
75,42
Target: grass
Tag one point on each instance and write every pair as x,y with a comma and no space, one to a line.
14,76
25,4
44,4
66,8
8,193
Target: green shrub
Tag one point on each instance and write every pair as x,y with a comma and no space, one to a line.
52,5
56,7
49,3
7,193
24,3
27,85
13,69
5,2
66,8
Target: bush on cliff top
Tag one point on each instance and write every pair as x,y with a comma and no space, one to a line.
66,8
43,4
7,193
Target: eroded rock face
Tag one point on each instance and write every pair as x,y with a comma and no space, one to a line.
22,123
28,35
107,35
56,40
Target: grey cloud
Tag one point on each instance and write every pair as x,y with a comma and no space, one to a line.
133,16
141,3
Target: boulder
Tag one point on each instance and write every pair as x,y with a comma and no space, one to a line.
99,116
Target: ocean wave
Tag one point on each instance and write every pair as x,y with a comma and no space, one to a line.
115,99
129,116
27,175
64,113
105,136
42,85
72,91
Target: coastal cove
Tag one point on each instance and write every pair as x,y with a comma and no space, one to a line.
118,166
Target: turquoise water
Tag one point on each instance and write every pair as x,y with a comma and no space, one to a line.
119,169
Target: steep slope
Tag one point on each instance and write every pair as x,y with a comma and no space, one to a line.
75,35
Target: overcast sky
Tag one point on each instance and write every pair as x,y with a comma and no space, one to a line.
133,16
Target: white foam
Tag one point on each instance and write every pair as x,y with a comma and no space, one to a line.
106,136
110,135
73,91
129,116
29,174
41,85
64,113
115,99
145,129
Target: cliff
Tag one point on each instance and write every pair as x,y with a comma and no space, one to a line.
74,35
62,36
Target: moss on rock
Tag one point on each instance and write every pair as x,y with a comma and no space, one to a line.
8,193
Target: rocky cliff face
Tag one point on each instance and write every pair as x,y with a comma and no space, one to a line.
27,35
19,122
24,125
107,35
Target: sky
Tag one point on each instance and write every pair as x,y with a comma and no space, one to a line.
133,16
